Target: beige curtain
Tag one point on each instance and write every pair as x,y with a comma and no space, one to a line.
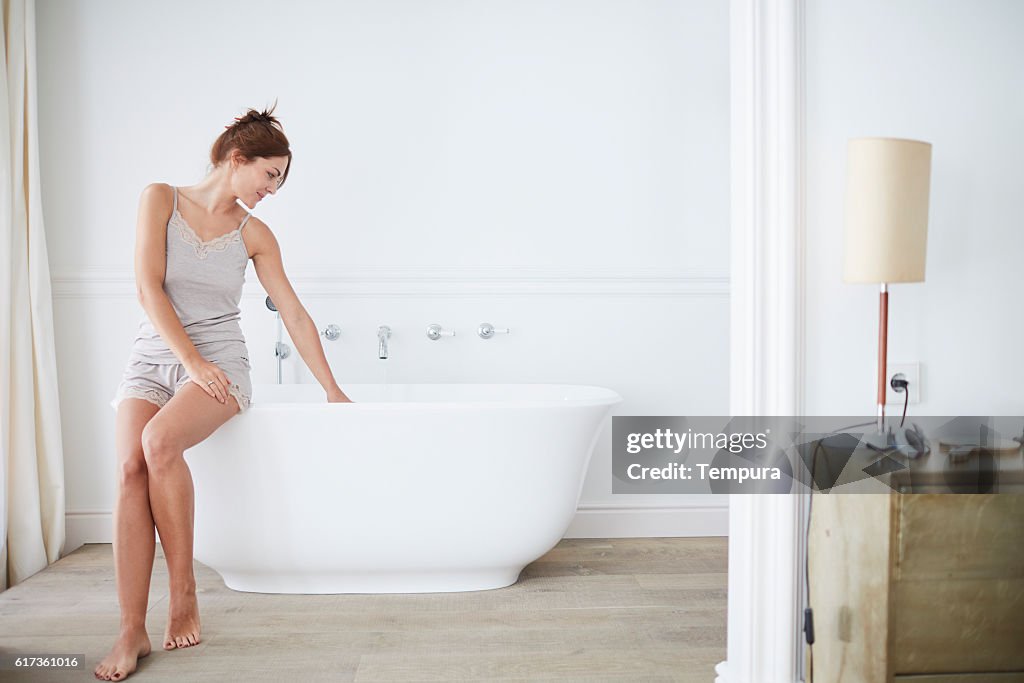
31,457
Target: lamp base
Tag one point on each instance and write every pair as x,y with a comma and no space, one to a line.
881,441
906,441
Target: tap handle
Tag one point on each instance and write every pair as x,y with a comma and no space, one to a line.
435,332
332,332
487,330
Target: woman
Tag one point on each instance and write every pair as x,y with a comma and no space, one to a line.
188,371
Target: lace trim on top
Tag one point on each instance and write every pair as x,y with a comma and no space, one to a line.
204,248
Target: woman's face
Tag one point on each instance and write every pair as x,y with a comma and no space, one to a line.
259,178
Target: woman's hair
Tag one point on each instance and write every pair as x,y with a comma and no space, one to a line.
257,134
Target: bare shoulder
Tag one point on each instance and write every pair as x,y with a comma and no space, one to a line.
260,239
159,193
156,203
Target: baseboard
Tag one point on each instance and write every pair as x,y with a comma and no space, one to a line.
591,521
87,527
610,520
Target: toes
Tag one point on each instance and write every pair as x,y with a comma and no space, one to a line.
169,644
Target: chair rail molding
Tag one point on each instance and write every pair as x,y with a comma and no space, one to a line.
766,543
374,281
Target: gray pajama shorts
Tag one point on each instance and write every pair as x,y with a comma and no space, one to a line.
157,383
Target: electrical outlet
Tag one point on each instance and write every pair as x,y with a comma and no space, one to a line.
912,373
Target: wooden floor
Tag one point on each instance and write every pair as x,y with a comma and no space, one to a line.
643,609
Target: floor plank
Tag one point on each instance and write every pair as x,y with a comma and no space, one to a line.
593,610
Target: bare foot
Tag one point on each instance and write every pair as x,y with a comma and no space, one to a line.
182,621
130,647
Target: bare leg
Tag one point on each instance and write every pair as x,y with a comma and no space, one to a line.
188,418
134,542
173,497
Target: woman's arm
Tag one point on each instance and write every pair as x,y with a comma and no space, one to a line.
266,258
303,332
151,266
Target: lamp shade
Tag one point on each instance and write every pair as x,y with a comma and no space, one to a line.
886,210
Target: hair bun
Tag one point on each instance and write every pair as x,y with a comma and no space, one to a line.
265,140
253,116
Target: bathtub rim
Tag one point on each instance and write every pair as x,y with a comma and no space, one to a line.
610,399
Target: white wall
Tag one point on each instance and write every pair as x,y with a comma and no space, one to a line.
559,168
950,72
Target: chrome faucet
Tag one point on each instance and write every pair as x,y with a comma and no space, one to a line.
383,333
281,350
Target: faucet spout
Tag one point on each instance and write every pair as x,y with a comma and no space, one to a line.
383,334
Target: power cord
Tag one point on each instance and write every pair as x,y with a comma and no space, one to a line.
899,384
808,612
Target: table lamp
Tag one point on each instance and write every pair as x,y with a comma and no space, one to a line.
886,226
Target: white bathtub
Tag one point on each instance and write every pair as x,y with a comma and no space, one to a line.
414,488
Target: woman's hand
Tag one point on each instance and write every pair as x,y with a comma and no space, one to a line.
338,396
210,377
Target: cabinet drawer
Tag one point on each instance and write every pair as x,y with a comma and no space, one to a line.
964,536
958,584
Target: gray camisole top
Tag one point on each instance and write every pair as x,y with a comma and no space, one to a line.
204,281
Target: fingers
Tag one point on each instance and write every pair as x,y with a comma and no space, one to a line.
216,386
211,387
215,382
221,382
221,386
224,386
221,391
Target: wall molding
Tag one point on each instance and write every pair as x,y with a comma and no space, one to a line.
767,355
105,282
627,520
598,520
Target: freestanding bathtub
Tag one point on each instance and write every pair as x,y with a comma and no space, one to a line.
413,488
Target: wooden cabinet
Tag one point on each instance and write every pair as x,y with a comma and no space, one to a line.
904,585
